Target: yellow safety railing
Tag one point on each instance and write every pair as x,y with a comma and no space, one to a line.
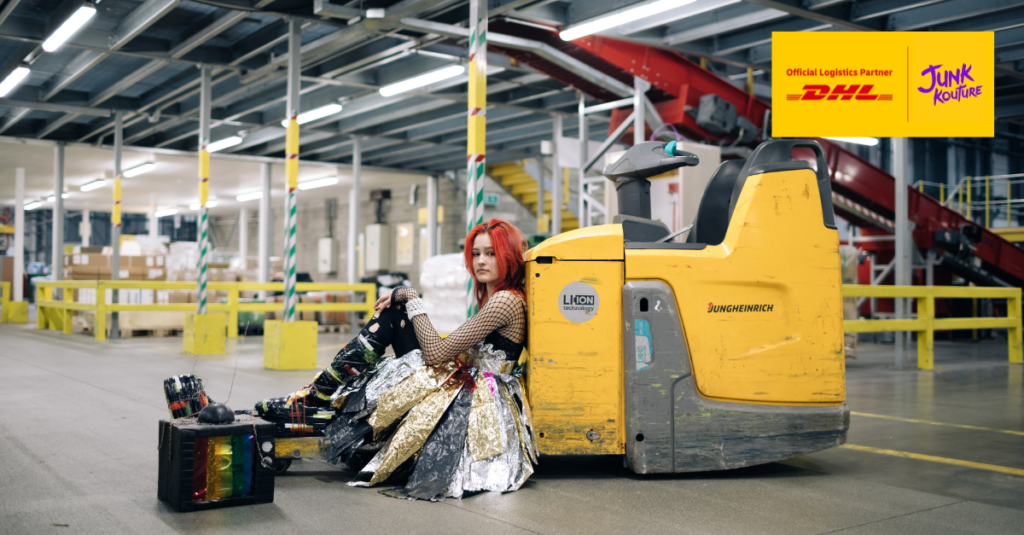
926,323
5,287
59,315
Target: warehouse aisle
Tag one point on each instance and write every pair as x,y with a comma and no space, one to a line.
78,436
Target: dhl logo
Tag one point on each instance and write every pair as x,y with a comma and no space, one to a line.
839,92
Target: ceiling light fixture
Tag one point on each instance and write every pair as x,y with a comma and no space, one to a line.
223,144
139,169
318,183
95,184
69,27
31,205
209,204
313,115
868,141
619,18
249,196
425,79
164,213
51,198
13,79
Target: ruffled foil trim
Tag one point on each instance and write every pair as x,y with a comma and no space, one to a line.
484,435
392,371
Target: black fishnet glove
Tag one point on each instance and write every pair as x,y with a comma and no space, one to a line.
504,312
400,296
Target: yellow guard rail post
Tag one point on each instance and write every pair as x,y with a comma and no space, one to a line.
232,307
5,298
926,324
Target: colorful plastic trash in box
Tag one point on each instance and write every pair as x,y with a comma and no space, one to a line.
223,468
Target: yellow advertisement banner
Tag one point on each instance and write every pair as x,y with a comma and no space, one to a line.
883,84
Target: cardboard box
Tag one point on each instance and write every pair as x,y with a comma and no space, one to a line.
125,274
80,273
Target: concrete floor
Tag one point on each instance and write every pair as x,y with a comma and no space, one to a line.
78,435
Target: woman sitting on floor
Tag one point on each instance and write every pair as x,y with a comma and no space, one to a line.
467,420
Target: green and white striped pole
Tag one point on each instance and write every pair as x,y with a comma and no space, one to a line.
477,135
204,186
291,168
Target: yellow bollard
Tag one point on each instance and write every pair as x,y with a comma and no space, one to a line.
968,198
289,345
205,334
942,194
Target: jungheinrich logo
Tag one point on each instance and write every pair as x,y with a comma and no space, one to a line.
946,85
839,92
713,308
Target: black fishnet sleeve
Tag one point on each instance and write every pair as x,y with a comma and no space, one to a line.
503,311
402,295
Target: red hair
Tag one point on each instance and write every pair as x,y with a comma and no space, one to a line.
509,245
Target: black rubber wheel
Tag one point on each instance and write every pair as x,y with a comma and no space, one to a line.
281,465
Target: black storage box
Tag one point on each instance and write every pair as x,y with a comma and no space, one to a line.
209,466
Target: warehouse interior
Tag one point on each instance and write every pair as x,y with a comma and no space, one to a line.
268,162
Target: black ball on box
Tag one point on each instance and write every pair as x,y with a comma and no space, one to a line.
217,413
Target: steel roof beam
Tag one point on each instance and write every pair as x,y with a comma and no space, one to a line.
945,12
61,108
139,19
19,114
1012,53
881,8
1010,37
727,19
833,16
994,22
7,10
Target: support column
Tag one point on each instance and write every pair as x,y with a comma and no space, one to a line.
17,286
264,231
583,213
154,222
292,166
541,171
351,255
557,178
900,165
204,185
640,87
115,234
476,140
431,216
85,227
243,236
58,213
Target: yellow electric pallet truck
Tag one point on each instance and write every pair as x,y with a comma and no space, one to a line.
720,352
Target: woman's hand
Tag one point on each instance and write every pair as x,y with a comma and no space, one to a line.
383,302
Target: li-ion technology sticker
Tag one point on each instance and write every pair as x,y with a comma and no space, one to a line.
578,302
644,345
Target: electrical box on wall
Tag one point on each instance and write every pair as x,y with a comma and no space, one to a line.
378,248
327,256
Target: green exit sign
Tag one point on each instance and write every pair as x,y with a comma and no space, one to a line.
490,200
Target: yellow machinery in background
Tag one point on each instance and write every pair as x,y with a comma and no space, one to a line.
719,352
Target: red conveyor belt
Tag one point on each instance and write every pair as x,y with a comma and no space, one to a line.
678,85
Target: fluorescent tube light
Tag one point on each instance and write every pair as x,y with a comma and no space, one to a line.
51,198
139,169
869,141
318,183
249,196
313,115
70,26
164,213
95,184
31,205
13,79
422,80
223,144
619,18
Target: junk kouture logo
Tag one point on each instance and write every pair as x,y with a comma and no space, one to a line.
713,308
948,84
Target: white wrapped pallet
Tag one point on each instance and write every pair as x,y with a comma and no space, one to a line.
443,284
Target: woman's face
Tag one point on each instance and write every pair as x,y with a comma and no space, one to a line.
485,264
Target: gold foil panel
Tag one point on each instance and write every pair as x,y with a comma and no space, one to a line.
520,428
397,401
414,431
484,433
